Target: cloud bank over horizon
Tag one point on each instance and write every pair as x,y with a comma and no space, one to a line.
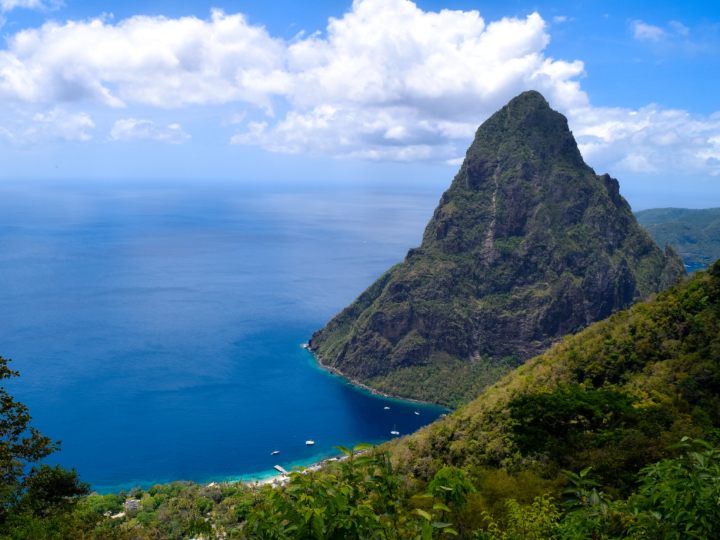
386,81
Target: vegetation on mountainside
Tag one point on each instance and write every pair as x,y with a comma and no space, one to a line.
616,396
527,245
694,234
612,433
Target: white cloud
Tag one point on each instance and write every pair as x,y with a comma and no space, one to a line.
650,139
386,81
8,5
423,80
643,31
54,124
148,60
674,30
418,86
128,129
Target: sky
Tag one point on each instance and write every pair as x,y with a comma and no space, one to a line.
341,91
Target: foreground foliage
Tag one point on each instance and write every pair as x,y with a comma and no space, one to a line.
363,497
580,443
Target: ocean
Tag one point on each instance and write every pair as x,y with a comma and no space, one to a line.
158,326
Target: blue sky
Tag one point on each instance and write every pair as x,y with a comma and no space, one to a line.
338,91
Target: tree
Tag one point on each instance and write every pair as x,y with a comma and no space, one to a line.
21,445
49,489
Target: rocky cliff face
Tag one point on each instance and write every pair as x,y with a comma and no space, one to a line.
528,244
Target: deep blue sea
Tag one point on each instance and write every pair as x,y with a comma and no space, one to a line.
158,326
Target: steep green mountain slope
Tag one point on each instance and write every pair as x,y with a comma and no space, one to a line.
528,244
694,234
613,396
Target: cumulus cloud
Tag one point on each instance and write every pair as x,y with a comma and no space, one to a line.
149,60
649,140
386,81
416,88
55,124
128,129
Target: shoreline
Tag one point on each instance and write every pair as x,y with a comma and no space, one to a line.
279,479
354,382
270,476
259,478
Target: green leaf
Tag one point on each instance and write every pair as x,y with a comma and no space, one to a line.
363,446
346,451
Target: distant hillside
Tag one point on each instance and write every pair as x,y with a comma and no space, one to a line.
614,396
527,245
695,234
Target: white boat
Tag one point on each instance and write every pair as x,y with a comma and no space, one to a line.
386,408
394,432
274,452
309,442
417,413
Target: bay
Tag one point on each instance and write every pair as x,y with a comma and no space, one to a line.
158,326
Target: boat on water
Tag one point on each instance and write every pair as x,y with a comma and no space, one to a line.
274,452
394,432
309,442
417,413
386,408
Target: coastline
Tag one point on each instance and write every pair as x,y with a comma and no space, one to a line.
354,382
271,476
259,478
279,479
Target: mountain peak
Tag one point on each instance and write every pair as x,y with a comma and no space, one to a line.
527,245
532,98
526,128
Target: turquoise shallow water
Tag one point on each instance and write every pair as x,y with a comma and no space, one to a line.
158,327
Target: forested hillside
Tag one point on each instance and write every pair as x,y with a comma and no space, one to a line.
694,234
